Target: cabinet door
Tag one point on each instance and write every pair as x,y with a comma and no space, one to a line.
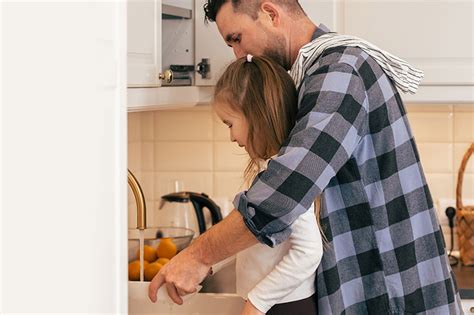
209,45
144,43
327,12
436,36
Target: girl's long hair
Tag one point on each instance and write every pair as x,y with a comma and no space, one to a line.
266,95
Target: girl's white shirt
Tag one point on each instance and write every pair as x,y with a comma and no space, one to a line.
285,273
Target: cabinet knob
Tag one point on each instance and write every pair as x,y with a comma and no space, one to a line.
204,68
166,76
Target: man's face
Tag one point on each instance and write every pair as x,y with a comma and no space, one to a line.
247,36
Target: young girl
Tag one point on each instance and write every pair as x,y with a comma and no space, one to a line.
257,100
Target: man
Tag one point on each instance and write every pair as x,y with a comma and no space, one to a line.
353,146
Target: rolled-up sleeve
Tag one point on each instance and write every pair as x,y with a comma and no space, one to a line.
331,120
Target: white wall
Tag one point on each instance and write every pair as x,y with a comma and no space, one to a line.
63,222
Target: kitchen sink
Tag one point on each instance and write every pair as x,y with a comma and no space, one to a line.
222,281
217,296
198,304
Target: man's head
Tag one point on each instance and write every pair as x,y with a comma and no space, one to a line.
257,27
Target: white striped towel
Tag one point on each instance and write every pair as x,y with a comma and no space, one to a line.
406,77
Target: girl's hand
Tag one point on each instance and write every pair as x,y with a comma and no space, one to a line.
249,309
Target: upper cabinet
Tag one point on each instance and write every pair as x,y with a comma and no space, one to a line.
163,35
171,61
435,36
143,43
170,45
210,48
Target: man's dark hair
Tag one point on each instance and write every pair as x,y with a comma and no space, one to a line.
249,7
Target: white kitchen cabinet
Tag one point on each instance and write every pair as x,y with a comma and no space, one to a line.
150,49
162,33
435,36
143,43
210,45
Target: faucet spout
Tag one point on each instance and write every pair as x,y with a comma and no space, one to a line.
139,199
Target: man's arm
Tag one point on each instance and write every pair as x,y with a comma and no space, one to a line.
192,265
332,119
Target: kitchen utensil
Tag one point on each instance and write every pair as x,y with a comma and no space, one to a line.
181,237
185,209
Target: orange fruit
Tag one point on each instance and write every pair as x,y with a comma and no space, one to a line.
166,248
162,261
151,270
149,253
134,270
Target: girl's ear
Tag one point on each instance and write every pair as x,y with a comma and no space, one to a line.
272,12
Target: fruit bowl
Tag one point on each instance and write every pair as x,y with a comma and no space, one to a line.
181,237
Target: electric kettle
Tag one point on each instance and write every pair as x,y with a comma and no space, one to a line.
185,209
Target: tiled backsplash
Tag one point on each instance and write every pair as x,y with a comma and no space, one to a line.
192,146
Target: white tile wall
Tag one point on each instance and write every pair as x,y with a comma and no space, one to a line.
147,156
228,156
134,156
436,157
192,145
459,151
183,156
463,126
442,120
190,181
443,134
228,183
440,185
183,125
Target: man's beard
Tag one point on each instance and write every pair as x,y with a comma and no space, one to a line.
278,52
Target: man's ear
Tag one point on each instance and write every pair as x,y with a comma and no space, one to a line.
272,12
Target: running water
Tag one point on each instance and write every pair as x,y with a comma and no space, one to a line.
142,244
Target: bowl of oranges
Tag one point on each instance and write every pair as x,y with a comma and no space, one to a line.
160,245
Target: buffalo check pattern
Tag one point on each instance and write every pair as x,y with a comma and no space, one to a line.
352,145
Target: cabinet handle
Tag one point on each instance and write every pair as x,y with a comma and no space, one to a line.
203,68
166,76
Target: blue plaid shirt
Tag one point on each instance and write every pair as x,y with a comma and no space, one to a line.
352,145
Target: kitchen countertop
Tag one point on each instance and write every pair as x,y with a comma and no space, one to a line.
465,280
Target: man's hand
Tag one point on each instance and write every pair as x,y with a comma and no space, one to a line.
181,275
249,309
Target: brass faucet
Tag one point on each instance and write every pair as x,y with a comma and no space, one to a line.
139,199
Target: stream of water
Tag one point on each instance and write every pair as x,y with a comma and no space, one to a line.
142,245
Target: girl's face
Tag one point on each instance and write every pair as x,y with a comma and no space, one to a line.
238,126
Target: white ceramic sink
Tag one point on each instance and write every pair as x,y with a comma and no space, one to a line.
198,304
